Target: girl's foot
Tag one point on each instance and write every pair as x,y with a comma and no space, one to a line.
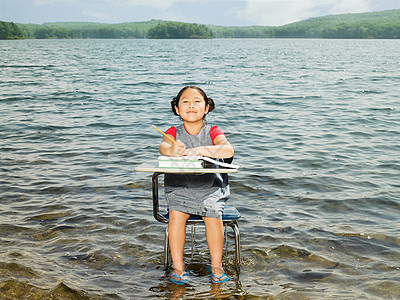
180,279
217,274
179,276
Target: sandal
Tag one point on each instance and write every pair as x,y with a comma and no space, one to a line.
218,279
180,279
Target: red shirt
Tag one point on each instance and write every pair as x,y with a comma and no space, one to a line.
214,132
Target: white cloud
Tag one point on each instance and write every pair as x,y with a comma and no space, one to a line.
154,4
98,15
353,6
279,12
42,2
47,2
158,4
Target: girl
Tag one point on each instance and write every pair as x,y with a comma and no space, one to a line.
204,195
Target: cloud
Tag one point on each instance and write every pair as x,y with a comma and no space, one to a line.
98,15
279,12
157,4
353,6
47,2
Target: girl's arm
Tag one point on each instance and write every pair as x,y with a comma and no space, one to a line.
169,148
221,149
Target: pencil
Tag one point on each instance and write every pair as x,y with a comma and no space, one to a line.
166,135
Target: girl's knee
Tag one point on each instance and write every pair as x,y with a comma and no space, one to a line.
177,216
212,220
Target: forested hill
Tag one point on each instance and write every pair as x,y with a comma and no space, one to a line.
383,24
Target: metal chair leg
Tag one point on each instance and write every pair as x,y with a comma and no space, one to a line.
193,237
166,248
226,240
235,227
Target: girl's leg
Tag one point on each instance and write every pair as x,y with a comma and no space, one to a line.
215,241
176,239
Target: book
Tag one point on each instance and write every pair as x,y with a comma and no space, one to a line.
219,163
184,162
192,162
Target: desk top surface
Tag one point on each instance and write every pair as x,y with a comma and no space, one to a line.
153,168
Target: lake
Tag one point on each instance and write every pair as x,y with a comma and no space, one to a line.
315,126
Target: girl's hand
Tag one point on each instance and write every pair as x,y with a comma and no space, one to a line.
221,149
178,149
191,152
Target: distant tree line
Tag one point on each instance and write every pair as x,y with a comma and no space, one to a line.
378,25
236,32
84,30
362,31
10,31
179,30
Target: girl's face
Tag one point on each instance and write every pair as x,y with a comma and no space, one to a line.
191,106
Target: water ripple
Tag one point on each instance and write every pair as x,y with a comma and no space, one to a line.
315,128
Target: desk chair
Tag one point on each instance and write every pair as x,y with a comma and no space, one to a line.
229,218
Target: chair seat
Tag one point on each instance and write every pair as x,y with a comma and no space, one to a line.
230,214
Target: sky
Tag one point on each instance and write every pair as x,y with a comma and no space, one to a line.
217,12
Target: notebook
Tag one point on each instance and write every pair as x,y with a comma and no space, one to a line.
192,162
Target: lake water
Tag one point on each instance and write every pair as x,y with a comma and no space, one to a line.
316,129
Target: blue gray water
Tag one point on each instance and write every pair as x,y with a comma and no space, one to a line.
315,125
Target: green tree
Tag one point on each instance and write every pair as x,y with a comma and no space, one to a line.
179,30
10,31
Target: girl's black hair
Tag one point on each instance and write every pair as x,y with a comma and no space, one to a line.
175,100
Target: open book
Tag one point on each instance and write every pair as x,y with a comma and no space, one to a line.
192,162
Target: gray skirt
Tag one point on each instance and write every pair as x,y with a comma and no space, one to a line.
200,200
